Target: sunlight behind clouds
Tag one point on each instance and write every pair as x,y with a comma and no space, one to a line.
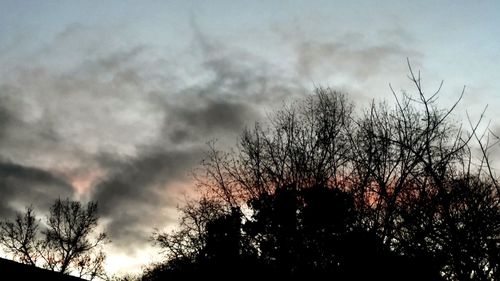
116,103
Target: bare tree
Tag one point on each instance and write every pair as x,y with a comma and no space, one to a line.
421,188
67,244
190,240
306,144
69,230
404,177
90,265
19,237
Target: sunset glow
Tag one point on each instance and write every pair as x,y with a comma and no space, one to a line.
115,101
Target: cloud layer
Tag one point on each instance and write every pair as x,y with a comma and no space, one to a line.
89,118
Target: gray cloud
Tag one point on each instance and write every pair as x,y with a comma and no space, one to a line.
4,121
355,55
333,57
194,122
136,118
21,186
134,192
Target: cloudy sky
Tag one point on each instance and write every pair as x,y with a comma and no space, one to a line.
115,101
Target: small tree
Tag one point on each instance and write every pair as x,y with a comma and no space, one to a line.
67,244
19,237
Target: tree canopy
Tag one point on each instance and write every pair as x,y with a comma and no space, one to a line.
399,192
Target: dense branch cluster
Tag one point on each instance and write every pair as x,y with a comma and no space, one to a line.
323,191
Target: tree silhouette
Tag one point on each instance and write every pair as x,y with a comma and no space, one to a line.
191,239
19,237
396,193
66,244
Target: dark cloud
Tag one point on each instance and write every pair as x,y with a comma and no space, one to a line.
197,121
135,190
21,186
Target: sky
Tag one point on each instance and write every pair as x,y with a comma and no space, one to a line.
115,101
